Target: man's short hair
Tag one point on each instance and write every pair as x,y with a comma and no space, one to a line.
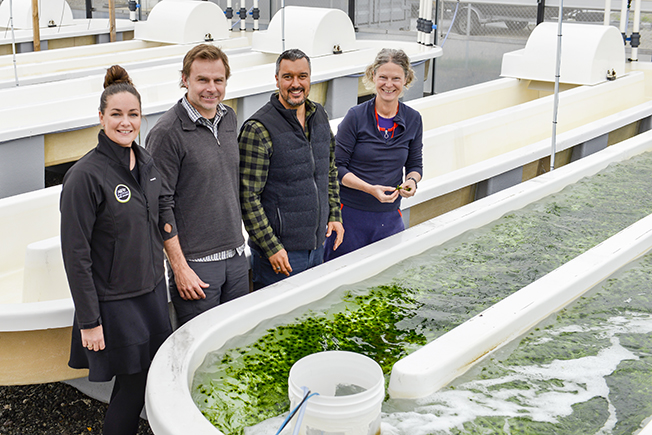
292,54
206,52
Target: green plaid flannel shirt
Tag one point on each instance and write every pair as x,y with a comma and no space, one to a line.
255,151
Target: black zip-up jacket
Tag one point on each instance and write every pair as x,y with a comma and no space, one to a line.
112,248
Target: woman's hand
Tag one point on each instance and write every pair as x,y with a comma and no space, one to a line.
93,338
408,188
383,193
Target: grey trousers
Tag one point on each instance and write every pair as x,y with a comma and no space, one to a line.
227,279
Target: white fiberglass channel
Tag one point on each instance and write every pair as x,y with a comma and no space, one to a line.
169,403
584,369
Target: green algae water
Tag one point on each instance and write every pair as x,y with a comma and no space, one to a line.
587,370
414,302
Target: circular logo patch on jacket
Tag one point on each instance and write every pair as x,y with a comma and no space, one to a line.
122,193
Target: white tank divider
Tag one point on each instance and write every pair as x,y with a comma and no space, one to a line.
435,365
57,12
183,22
315,31
83,50
170,408
647,430
44,276
588,53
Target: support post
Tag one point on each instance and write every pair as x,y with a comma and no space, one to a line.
352,13
36,28
541,11
112,36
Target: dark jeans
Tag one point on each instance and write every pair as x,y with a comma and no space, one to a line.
263,274
227,279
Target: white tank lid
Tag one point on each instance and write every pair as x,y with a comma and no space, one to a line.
183,22
315,31
588,52
55,12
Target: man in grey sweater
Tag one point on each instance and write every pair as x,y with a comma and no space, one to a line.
195,147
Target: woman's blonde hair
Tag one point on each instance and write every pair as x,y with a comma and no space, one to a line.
384,56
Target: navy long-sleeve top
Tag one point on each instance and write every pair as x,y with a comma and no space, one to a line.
363,150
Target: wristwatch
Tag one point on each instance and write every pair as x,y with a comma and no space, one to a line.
415,182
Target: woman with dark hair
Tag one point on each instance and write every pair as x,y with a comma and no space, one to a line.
378,156
113,255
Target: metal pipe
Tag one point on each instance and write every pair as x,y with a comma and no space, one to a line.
36,26
438,15
89,8
256,15
607,12
282,25
243,16
229,14
555,108
623,19
468,21
420,33
352,12
636,36
429,31
13,38
541,11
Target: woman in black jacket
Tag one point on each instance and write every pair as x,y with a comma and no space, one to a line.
113,255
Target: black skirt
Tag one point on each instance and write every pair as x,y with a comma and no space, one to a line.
134,329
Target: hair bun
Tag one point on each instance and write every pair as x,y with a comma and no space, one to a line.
116,75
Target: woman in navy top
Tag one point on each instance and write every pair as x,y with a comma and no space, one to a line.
378,156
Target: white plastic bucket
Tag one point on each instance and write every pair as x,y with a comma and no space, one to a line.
328,414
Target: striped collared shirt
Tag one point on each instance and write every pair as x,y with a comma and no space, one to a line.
196,117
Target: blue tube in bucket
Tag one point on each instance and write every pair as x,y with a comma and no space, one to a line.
351,390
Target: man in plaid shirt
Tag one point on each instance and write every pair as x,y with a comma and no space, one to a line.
289,190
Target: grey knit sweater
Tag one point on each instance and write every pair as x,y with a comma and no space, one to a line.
201,182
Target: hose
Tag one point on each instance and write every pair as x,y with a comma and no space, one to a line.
451,26
302,406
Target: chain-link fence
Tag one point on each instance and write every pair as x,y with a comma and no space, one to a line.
100,8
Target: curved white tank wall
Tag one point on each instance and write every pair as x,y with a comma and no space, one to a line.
57,11
183,22
587,53
315,31
170,408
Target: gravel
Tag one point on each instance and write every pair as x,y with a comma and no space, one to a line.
52,409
